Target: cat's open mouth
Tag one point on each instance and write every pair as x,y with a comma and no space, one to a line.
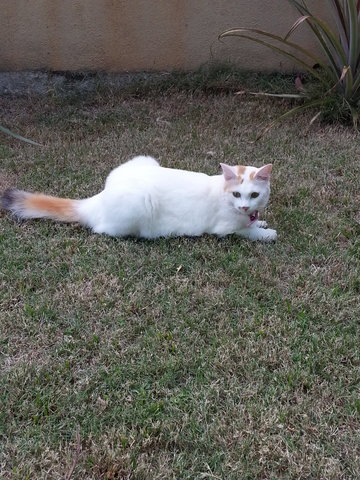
253,217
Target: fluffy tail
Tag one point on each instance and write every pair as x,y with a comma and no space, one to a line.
36,205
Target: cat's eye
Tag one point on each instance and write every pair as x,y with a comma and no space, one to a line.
236,194
254,195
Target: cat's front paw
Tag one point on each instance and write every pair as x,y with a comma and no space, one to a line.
269,235
260,234
261,224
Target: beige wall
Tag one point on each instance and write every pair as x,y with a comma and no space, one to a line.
134,35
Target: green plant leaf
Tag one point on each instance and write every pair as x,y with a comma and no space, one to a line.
238,33
18,137
339,19
332,47
354,47
289,113
339,73
298,22
356,88
355,113
315,117
281,95
240,30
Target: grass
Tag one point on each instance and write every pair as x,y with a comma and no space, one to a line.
185,358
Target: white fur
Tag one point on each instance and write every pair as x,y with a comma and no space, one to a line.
143,199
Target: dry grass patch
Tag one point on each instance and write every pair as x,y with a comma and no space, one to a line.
182,358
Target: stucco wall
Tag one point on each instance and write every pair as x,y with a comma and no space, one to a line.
133,35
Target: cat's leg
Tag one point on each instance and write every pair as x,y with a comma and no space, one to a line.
102,228
258,233
117,230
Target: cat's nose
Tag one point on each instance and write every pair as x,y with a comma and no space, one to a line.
245,208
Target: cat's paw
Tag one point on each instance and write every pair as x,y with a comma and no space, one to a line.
261,224
269,235
260,234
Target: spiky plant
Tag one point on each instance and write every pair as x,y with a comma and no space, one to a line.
337,70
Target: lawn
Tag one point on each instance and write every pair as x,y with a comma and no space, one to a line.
183,358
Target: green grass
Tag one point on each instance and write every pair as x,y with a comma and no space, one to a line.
180,358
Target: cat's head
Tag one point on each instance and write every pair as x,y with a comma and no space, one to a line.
248,188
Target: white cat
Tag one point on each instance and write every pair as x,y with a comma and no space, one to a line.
142,199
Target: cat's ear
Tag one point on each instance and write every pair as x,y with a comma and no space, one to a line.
228,172
264,173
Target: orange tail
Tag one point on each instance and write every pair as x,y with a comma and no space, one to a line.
36,205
